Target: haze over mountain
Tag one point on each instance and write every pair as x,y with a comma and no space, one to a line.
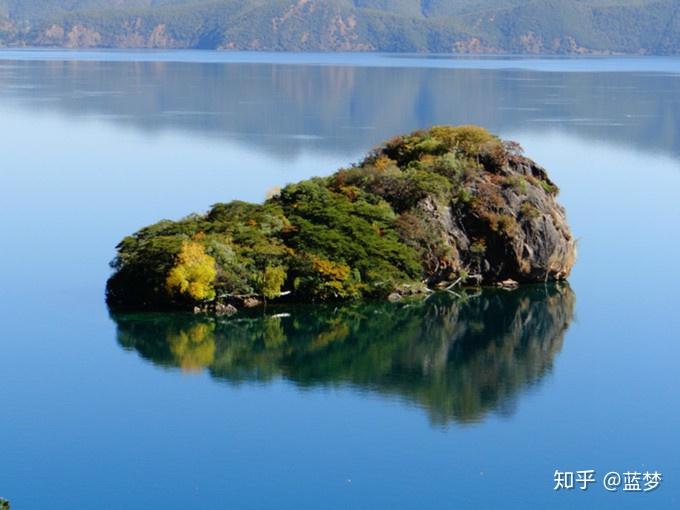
448,26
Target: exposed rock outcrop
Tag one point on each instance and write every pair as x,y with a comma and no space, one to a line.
504,221
511,227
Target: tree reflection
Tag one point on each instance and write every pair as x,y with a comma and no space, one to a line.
194,347
458,358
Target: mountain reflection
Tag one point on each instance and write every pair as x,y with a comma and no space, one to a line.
457,358
287,109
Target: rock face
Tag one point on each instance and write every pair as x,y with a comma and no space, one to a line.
434,208
511,227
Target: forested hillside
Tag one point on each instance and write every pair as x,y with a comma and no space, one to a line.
458,26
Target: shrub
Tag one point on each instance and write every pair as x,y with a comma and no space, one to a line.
326,280
547,186
465,196
478,247
529,211
517,183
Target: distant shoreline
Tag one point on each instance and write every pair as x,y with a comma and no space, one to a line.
541,63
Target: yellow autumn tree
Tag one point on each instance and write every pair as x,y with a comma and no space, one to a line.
273,279
333,279
193,274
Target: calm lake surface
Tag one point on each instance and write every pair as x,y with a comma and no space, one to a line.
445,404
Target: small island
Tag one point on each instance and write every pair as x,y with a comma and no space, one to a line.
432,209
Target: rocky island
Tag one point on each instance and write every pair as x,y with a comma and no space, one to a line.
434,208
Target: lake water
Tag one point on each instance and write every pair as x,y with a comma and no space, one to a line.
445,404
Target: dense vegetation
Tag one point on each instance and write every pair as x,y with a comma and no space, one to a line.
433,206
456,358
495,26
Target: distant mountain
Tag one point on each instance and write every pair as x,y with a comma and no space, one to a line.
447,26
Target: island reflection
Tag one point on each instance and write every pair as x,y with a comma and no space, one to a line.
457,358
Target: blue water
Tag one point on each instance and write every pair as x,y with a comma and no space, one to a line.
97,144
